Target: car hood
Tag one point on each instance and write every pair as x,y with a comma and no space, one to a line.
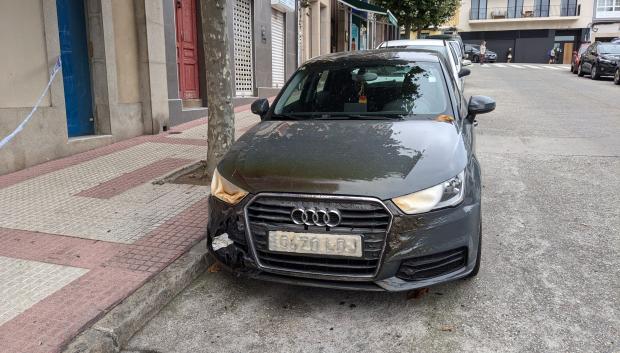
613,57
382,159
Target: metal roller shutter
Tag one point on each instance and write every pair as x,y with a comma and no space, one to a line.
243,48
277,48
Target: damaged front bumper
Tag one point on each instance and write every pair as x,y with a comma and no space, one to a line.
419,250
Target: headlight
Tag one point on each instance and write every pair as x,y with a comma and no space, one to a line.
225,190
448,193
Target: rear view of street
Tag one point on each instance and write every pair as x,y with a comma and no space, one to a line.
550,275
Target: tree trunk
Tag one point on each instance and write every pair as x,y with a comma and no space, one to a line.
407,32
221,124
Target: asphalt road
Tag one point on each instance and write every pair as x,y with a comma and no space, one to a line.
550,276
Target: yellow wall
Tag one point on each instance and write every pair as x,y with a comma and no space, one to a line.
23,64
126,47
451,23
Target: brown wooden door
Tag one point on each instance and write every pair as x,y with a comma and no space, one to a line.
187,49
568,53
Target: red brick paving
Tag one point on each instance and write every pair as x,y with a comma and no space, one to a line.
116,270
51,323
154,251
137,177
55,249
52,166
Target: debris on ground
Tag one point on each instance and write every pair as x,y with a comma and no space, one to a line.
214,268
417,293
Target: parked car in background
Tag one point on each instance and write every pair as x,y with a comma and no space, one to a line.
361,175
600,59
472,52
450,37
444,48
576,60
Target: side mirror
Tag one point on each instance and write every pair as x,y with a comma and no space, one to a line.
466,62
464,72
480,105
260,107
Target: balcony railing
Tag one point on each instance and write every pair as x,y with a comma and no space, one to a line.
524,12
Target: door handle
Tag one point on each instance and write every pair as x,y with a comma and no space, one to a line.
475,123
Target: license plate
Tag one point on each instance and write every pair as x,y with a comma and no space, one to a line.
316,243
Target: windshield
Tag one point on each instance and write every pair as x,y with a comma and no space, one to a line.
365,89
609,48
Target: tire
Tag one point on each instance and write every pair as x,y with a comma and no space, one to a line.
580,72
617,77
594,74
476,269
476,59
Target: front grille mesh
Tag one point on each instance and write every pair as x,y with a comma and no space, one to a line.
366,218
425,267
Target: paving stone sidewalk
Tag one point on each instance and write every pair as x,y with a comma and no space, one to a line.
80,234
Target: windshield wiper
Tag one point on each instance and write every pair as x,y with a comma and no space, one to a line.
358,117
288,117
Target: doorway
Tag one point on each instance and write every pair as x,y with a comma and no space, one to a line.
187,52
75,58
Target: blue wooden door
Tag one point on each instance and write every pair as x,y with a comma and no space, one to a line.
75,67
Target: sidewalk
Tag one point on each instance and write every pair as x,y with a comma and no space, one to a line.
80,234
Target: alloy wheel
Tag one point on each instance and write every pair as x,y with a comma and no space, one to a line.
617,77
580,71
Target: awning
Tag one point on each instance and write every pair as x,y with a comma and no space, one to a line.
392,18
364,6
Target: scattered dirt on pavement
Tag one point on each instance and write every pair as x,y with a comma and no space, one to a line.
417,293
194,176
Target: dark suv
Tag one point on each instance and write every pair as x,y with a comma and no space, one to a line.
600,59
472,52
361,175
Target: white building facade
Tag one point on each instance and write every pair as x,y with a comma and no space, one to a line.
531,28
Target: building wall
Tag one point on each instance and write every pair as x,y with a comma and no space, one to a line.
467,25
29,41
126,44
605,31
316,29
23,60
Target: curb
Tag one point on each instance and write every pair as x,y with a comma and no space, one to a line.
113,331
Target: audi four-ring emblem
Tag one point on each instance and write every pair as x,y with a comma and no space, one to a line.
316,217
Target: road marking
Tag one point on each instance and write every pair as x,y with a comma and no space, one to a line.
499,65
517,66
532,67
552,67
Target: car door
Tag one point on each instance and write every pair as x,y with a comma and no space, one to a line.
590,57
455,65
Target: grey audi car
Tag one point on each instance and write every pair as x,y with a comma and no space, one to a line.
361,175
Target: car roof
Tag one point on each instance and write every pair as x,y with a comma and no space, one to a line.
387,54
414,42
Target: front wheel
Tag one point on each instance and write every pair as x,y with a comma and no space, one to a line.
594,73
580,72
476,269
617,77
476,59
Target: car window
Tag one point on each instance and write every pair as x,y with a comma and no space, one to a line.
609,48
386,88
453,52
457,49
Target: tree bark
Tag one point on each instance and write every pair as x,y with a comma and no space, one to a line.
221,124
407,32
